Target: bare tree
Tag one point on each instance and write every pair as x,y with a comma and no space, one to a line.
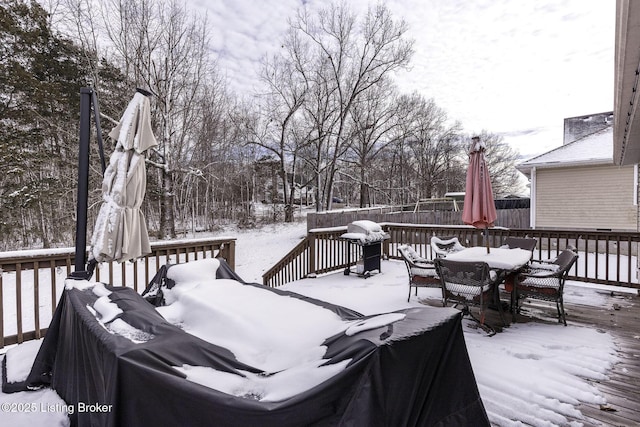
374,119
433,145
275,132
163,48
342,59
501,160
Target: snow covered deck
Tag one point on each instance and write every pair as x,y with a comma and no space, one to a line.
604,311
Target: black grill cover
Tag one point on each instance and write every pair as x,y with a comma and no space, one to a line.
415,372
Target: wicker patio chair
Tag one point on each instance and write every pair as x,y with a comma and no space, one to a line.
422,272
544,280
443,246
469,284
525,243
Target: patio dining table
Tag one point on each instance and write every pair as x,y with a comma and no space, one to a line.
506,262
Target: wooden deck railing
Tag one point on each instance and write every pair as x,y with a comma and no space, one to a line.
32,281
320,252
605,257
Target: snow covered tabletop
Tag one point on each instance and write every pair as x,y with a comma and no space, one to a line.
498,258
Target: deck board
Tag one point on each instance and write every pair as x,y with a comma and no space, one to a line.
620,317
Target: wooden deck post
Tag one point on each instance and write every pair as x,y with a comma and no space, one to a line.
312,253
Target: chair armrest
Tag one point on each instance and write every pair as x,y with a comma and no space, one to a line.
543,261
424,263
538,274
543,265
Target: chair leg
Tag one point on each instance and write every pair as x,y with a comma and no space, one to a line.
500,310
561,314
504,321
409,297
485,327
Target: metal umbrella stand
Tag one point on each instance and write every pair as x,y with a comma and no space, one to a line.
88,99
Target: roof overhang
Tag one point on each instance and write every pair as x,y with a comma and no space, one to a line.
626,132
527,168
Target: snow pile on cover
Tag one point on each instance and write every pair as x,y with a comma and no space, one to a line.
280,335
364,231
267,388
262,329
107,312
374,322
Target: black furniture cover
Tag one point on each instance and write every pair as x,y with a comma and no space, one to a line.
415,372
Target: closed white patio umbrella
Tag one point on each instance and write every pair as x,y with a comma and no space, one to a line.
120,233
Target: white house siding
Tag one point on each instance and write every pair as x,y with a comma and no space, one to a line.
586,197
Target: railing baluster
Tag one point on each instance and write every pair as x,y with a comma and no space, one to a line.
19,301
597,255
147,278
606,259
629,259
135,276
2,311
54,289
586,254
36,298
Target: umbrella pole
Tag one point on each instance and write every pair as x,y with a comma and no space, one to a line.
485,236
83,183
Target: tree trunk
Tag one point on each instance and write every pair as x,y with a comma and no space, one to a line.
364,195
46,244
167,219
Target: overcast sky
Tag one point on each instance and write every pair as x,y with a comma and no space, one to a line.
516,68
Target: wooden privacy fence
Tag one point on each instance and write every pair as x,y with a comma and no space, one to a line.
509,218
32,281
604,257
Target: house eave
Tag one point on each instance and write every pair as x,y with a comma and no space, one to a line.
527,168
626,132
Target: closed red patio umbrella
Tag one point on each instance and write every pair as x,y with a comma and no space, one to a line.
479,206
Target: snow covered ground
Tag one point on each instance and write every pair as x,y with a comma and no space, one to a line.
529,374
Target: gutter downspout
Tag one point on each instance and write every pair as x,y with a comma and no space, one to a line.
532,211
